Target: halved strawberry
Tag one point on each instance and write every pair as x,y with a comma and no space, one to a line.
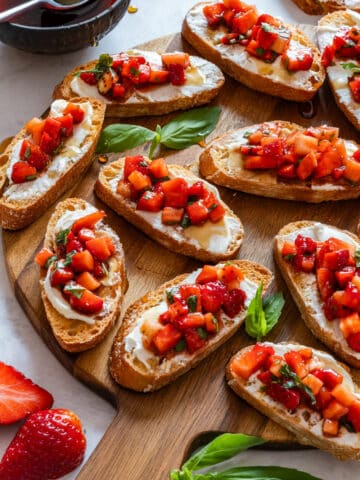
19,395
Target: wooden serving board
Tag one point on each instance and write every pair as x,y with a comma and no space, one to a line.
151,433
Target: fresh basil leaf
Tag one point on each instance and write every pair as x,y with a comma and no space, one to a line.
295,381
155,141
220,449
357,258
75,290
351,66
189,127
202,333
170,296
192,302
121,136
61,237
273,305
258,473
255,322
50,260
180,346
68,258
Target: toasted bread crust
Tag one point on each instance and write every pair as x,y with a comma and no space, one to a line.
289,420
334,340
126,208
16,214
338,19
142,106
76,335
132,374
205,44
215,166
319,7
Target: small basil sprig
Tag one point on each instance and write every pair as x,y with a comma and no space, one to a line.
357,258
295,381
263,314
183,131
351,66
223,448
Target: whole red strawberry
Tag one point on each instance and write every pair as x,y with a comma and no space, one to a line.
50,444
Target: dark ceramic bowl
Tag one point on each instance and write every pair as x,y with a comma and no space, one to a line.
43,31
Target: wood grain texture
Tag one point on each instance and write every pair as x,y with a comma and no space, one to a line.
152,432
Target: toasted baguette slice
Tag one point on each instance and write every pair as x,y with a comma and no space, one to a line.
135,367
320,7
204,81
23,203
210,242
304,423
272,79
338,77
78,335
304,289
222,163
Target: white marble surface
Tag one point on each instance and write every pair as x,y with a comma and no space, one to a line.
26,85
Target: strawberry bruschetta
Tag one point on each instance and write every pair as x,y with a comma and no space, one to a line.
257,49
170,330
138,82
320,264
304,390
339,41
47,157
283,160
82,278
172,205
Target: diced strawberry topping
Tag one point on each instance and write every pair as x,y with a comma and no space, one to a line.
194,340
87,302
176,75
88,77
213,295
290,398
234,302
22,172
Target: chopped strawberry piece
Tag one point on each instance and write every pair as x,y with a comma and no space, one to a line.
327,56
297,363
265,377
67,125
290,398
74,245
118,60
20,396
323,398
75,111
35,127
193,320
131,69
344,276
207,274
88,77
86,234
211,323
177,58
176,192
43,256
166,338
140,181
217,213
178,309
22,172
193,340
138,163
213,295
213,13
38,158
157,75
176,75
243,21
325,282
335,410
287,171
88,303
88,221
49,144
305,245
296,59
118,90
329,377
171,215
88,281
234,302
52,126
198,213
158,169
98,248
61,276
25,150
151,201
251,360
354,84
99,271
197,190
353,341
336,260
229,273
83,261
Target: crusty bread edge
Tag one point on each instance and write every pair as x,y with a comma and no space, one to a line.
251,79
122,367
248,182
53,315
125,208
303,436
17,215
309,320
338,18
123,109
